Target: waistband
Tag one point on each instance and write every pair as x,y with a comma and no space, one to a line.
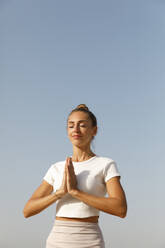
74,223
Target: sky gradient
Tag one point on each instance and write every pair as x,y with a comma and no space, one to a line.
109,55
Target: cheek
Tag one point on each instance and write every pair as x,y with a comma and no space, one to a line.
69,136
68,132
88,134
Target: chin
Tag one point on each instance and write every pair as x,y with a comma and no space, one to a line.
77,143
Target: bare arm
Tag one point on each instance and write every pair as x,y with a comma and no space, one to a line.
43,197
115,204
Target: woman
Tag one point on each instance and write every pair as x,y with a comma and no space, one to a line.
78,186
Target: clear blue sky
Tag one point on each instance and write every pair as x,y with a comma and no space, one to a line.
109,55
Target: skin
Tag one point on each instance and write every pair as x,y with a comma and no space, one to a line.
115,204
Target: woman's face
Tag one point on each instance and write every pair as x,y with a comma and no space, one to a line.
79,128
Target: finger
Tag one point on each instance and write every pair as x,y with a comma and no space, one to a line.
68,176
65,166
71,164
67,170
70,173
67,160
70,169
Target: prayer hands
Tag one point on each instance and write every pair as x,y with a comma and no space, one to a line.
71,177
69,182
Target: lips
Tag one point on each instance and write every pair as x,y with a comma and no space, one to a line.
76,136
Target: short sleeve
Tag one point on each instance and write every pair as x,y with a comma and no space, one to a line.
110,171
49,176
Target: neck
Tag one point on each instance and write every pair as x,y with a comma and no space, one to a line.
81,154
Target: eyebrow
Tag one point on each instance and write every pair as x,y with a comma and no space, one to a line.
78,121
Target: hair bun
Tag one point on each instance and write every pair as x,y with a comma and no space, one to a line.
82,106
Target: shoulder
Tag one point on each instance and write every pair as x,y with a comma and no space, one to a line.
105,163
105,160
53,170
110,168
57,165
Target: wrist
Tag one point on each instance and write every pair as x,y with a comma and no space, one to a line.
74,192
58,193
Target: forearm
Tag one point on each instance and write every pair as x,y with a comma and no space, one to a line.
35,206
109,205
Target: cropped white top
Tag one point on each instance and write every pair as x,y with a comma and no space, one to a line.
91,175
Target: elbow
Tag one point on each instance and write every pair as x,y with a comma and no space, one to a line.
123,212
25,213
123,215
28,211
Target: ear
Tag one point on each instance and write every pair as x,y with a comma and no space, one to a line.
94,131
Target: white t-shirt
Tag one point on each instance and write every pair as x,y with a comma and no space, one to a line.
91,175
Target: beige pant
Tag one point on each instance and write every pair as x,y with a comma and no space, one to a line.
75,234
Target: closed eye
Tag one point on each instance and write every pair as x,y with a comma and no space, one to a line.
80,126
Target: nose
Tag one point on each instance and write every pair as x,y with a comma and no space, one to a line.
76,128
